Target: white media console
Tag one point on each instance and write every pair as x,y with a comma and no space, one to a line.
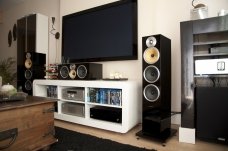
129,103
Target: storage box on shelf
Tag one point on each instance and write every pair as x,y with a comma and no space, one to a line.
80,101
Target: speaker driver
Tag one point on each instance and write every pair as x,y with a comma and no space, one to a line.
28,63
151,93
151,55
151,74
28,74
28,55
72,67
72,74
64,72
28,85
151,41
81,71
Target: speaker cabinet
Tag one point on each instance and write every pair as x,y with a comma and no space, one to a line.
33,68
211,113
156,66
83,71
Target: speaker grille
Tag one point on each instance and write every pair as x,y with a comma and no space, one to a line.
151,74
151,92
28,85
28,74
64,72
81,71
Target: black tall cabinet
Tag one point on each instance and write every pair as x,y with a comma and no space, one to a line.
203,92
32,36
26,42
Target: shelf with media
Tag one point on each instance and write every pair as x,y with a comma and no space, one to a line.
109,105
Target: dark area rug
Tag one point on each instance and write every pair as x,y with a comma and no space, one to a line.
74,141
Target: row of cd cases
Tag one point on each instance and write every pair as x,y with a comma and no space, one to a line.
95,95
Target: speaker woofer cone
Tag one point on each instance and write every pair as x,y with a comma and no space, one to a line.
28,63
151,41
81,71
151,55
72,74
28,85
64,72
151,74
151,92
28,74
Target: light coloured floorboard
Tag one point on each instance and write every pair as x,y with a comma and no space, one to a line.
172,143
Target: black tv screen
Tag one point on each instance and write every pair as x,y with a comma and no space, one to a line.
104,33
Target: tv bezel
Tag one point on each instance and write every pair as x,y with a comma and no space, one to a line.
134,54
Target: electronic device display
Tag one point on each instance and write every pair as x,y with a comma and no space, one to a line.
103,33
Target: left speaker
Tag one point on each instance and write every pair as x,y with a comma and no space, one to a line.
34,68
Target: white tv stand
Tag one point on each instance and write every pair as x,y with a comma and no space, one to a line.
130,103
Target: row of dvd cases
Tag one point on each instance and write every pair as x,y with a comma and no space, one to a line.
95,95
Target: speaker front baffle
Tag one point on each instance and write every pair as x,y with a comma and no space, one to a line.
156,88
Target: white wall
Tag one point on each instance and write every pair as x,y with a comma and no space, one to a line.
10,14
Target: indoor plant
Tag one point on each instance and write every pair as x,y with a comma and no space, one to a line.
7,70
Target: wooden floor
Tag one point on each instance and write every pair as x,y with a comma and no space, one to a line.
172,144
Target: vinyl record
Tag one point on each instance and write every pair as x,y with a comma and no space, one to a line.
151,41
151,92
151,55
151,74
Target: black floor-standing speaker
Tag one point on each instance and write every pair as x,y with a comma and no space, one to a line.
156,87
33,67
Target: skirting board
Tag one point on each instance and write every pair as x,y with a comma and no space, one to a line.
187,135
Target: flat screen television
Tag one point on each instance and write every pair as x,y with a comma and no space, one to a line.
103,33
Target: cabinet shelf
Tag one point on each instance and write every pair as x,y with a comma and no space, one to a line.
107,105
211,76
210,42
129,103
72,101
210,55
